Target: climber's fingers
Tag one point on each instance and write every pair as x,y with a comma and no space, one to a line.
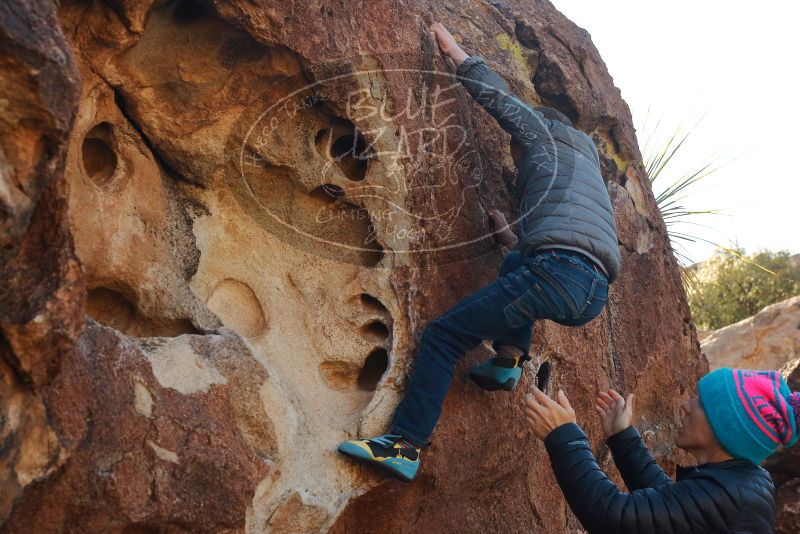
438,26
447,43
498,216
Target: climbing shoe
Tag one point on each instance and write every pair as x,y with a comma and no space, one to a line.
498,373
389,452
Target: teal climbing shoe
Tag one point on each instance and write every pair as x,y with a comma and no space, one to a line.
389,452
498,373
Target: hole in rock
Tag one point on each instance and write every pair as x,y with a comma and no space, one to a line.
543,377
167,327
372,304
321,141
352,154
188,11
327,193
374,331
99,160
348,149
111,308
371,372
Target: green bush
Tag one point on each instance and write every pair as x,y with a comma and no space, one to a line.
731,286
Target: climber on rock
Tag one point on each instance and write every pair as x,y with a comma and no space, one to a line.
737,420
560,267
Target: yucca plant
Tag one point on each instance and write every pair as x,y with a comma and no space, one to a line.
670,198
658,153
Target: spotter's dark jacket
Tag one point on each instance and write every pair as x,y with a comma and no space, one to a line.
732,496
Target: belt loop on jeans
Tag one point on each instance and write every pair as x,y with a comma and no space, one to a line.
591,291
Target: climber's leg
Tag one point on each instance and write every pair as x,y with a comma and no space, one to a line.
501,371
444,341
520,337
505,305
574,290
504,370
390,452
547,286
584,284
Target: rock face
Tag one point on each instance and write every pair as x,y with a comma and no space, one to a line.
224,225
768,340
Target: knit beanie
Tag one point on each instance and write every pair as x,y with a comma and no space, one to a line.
752,413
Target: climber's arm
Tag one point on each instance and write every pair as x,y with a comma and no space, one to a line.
634,461
525,124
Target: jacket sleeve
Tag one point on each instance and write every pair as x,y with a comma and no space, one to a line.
695,505
526,125
635,463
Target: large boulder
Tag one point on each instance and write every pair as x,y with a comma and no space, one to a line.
224,225
769,339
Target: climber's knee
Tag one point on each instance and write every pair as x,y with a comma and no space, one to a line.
436,329
439,332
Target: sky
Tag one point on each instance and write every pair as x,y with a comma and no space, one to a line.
727,71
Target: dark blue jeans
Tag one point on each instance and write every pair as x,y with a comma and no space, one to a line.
549,285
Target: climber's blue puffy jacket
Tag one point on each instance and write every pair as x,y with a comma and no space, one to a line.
564,202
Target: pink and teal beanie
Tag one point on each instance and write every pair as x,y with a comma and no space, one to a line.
752,413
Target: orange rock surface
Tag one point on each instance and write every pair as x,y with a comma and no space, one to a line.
224,225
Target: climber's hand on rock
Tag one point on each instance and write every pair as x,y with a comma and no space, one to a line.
447,43
505,236
544,414
615,412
